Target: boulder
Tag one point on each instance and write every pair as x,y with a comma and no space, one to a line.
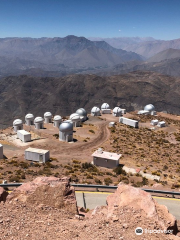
48,191
137,199
3,194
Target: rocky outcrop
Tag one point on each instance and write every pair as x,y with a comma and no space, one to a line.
3,195
47,191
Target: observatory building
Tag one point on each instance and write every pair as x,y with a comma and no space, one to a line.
161,124
105,159
37,155
38,121
95,111
117,112
66,131
29,119
82,113
105,108
129,122
1,151
57,121
24,136
150,108
75,118
17,125
154,122
47,117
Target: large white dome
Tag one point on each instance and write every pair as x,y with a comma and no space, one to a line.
17,122
66,126
95,109
116,110
57,118
149,108
48,114
38,120
105,106
81,112
29,116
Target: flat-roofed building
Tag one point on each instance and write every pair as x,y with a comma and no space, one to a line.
161,124
154,122
105,159
37,155
24,136
129,122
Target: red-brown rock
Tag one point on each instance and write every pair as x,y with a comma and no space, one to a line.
48,191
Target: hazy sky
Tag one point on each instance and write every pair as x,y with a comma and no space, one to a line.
90,18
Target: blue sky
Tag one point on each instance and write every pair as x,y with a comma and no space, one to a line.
90,18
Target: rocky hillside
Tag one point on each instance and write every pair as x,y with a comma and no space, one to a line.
46,209
166,54
23,94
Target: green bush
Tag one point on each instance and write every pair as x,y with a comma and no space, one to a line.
108,181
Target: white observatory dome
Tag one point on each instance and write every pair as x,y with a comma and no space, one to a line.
17,122
149,108
48,114
105,106
116,110
95,109
29,116
81,112
66,126
57,118
38,120
75,117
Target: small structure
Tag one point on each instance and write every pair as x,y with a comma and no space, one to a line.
105,108
95,111
57,121
82,113
66,131
47,117
105,159
154,122
17,125
153,113
75,118
129,122
117,112
38,121
112,124
143,112
123,111
24,136
37,155
161,124
1,151
29,119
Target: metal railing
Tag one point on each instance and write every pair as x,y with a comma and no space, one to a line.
97,187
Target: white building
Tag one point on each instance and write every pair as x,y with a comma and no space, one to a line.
95,111
17,125
1,151
24,136
117,112
129,122
143,112
47,117
39,123
105,108
57,121
75,118
29,119
105,159
112,124
161,124
154,122
37,155
66,131
82,113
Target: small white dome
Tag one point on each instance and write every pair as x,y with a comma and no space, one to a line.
17,122
95,109
38,120
74,117
116,110
48,115
57,118
66,126
105,106
149,108
29,116
81,112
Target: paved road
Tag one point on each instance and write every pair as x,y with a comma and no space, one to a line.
93,199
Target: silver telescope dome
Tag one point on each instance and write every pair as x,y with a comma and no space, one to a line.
149,108
81,112
66,126
17,122
29,116
105,106
38,120
48,114
57,118
116,110
95,109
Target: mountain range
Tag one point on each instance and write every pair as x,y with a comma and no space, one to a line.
20,95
